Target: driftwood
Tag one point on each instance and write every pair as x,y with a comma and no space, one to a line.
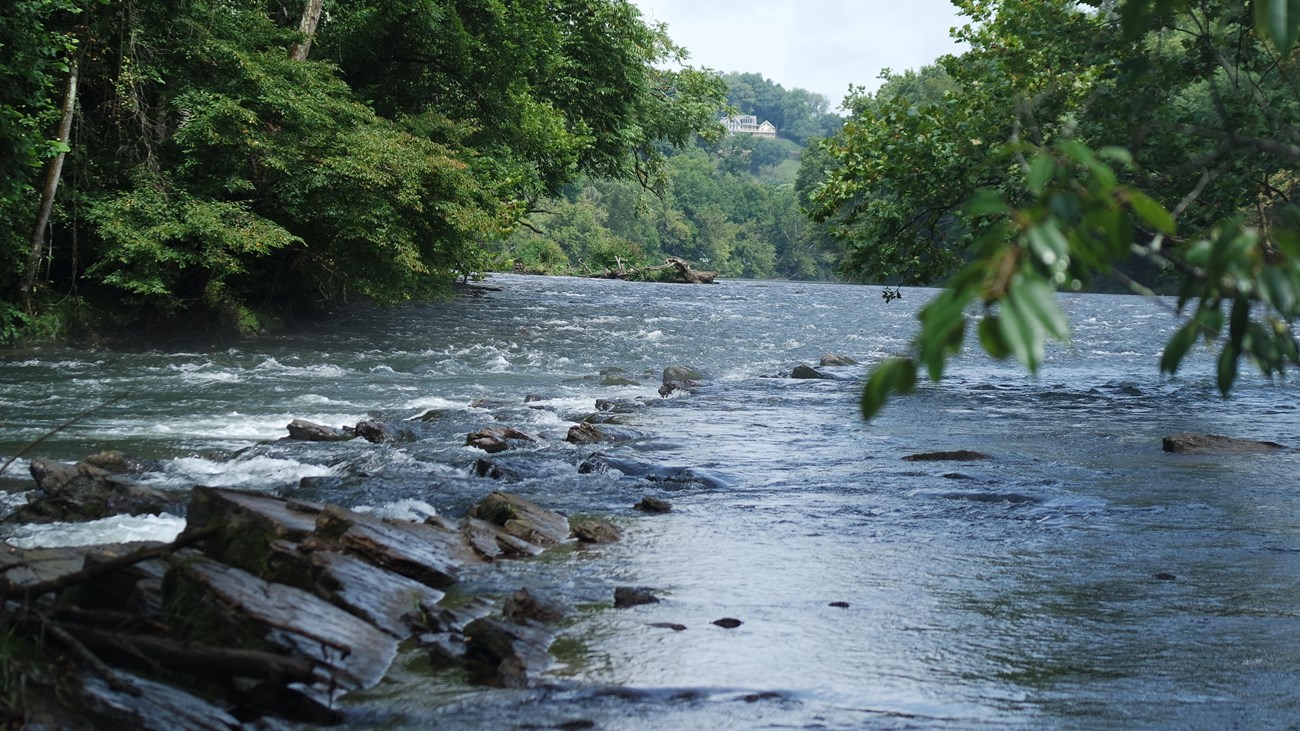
685,274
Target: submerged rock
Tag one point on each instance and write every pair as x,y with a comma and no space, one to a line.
491,470
960,455
633,596
526,606
830,359
522,519
807,372
511,654
650,504
1214,444
595,530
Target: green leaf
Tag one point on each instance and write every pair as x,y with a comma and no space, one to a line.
1239,319
986,203
1049,244
991,337
1278,290
1227,367
1037,299
1120,155
1023,333
1151,212
1177,347
1040,171
896,375
1278,20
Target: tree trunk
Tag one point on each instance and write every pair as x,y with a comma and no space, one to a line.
52,176
311,12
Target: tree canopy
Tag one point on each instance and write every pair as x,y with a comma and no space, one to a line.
232,159
1066,141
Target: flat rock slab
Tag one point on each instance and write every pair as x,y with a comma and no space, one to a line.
26,566
1214,444
217,599
492,542
153,706
248,524
431,555
523,519
385,599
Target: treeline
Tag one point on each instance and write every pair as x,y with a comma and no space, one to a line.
732,205
217,164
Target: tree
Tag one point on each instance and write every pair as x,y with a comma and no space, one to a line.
1073,140
235,160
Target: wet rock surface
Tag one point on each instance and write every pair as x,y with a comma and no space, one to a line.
87,491
959,455
312,432
267,608
1214,444
633,596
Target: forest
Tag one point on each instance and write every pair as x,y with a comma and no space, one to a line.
732,204
217,166
221,166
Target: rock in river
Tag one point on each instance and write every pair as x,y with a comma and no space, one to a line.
1213,444
960,455
83,491
309,431
830,359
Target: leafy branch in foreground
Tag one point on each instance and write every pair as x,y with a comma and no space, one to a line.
1201,190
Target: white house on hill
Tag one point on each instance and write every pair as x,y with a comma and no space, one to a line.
748,124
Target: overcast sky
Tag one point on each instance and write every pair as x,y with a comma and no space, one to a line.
819,45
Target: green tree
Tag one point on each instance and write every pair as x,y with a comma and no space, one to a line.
1078,138
232,157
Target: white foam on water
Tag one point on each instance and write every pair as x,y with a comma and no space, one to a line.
211,377
323,370
409,509
113,529
11,501
258,472
425,403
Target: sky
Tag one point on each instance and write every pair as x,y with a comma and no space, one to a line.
818,45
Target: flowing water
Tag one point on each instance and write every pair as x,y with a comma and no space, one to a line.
1017,592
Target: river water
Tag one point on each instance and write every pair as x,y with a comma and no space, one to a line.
1019,592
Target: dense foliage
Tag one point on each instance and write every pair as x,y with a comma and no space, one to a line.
730,205
1067,140
214,177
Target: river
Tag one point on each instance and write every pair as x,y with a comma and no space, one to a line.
1019,592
